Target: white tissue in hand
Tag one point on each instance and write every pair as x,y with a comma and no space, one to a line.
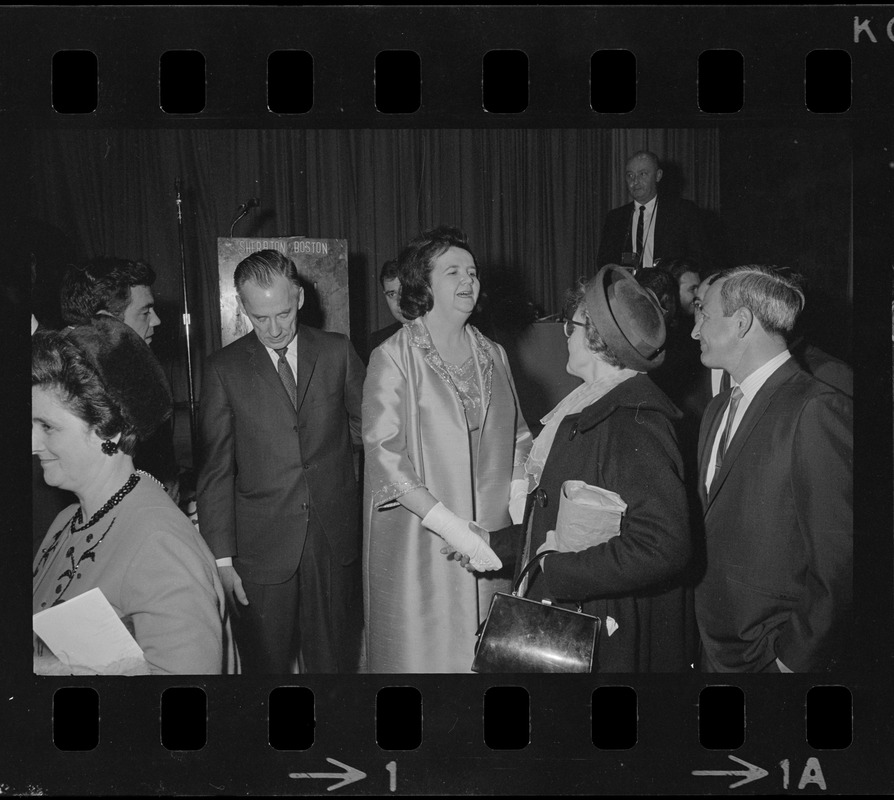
588,515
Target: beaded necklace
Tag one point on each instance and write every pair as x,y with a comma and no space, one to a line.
71,525
113,501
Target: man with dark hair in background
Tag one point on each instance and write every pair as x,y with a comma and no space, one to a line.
113,286
653,225
390,283
277,493
123,289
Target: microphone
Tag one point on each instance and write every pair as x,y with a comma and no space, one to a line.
252,202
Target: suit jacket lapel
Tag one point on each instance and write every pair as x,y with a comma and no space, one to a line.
307,359
707,436
262,366
659,222
628,245
753,414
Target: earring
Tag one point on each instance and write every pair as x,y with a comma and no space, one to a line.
109,447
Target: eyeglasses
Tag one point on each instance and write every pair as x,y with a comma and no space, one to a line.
568,326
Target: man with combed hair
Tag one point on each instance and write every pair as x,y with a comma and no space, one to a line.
116,286
775,479
122,288
654,225
277,494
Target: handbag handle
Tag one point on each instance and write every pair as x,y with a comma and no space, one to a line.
527,568
518,581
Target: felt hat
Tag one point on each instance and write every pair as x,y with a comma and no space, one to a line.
627,316
133,379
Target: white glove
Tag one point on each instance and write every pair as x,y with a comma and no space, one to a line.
458,533
518,497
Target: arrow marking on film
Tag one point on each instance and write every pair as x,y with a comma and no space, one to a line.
350,775
752,773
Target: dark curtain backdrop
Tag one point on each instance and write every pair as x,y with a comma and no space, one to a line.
530,201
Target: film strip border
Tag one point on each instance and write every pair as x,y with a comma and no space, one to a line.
474,734
445,66
430,735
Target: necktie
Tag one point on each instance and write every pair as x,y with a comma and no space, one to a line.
286,376
639,230
734,399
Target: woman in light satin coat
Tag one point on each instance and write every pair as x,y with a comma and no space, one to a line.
445,445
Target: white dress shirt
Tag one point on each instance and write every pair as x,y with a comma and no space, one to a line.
291,357
750,387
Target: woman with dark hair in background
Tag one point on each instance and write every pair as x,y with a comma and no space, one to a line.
95,390
444,438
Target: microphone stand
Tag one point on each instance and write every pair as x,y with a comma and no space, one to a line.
193,428
241,212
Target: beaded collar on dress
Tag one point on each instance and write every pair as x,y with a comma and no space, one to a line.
84,536
481,347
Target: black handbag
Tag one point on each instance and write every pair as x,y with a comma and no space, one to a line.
521,635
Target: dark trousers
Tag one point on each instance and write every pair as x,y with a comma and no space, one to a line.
316,615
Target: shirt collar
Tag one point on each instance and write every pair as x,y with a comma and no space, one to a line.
752,384
291,348
650,206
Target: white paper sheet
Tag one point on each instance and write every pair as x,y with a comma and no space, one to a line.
85,631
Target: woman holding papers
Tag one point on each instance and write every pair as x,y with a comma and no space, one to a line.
623,527
444,437
95,390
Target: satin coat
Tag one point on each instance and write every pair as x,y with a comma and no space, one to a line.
422,611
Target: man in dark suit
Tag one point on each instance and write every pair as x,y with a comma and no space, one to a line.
277,494
775,479
654,225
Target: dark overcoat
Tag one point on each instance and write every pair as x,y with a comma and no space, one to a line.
624,442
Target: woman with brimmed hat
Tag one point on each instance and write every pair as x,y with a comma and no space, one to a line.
95,391
616,432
